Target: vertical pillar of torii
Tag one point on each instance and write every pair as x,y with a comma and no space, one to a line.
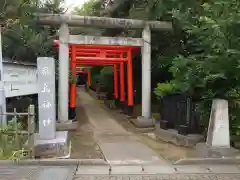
63,87
3,120
146,73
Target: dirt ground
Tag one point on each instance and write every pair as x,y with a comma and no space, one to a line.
84,145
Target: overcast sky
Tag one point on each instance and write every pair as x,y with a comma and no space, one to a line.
71,4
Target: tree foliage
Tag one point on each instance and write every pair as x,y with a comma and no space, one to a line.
200,58
23,39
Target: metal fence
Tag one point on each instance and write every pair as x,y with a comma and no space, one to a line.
30,128
178,112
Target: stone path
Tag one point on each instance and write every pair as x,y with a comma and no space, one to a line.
73,171
117,145
163,177
16,172
159,172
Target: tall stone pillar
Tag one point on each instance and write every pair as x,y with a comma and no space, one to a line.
146,121
146,73
63,89
2,91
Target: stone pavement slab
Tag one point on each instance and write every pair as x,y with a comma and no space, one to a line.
162,177
30,172
16,173
191,169
158,169
105,172
55,173
93,170
223,169
126,169
129,152
210,161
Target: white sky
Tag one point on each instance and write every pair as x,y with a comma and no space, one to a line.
71,4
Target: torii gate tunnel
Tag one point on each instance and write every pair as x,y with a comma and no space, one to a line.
97,50
102,55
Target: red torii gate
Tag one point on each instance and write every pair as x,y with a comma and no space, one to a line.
103,55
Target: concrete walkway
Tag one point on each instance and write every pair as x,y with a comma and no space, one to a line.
117,145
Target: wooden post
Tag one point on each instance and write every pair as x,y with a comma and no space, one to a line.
73,90
31,130
16,128
115,77
130,78
122,83
89,78
73,85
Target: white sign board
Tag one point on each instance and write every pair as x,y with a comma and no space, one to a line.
19,80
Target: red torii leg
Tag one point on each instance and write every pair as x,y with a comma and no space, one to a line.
73,88
130,82
89,78
122,83
115,77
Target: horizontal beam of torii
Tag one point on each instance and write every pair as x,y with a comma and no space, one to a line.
101,22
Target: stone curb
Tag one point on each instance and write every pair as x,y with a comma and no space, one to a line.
208,161
54,162
61,126
158,170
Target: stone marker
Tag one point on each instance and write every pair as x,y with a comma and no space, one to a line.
218,129
218,137
46,98
48,142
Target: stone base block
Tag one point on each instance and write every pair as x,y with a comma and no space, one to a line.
172,136
142,122
205,151
70,125
209,161
205,154
59,147
145,130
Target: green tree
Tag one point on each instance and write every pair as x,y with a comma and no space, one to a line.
23,39
89,8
